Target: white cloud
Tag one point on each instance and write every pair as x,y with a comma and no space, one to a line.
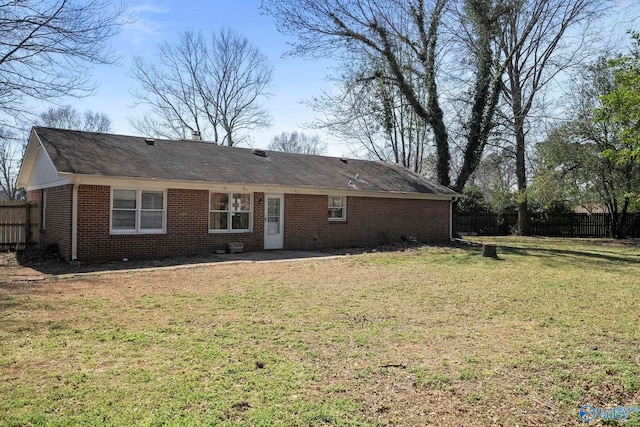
148,7
145,23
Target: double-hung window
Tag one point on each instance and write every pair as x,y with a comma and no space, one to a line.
138,211
337,208
229,212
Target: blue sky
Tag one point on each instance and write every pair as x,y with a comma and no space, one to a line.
295,79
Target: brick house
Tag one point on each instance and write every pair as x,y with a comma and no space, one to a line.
108,197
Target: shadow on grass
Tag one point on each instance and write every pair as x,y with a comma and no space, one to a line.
569,254
603,256
50,264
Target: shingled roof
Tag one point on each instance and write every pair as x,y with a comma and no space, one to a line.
96,154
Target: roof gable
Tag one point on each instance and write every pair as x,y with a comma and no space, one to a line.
37,170
94,154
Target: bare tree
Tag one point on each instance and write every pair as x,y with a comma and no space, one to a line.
532,34
373,116
10,157
389,30
404,35
67,117
45,47
210,85
298,142
353,116
495,180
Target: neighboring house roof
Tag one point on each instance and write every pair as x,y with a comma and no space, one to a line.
95,154
591,208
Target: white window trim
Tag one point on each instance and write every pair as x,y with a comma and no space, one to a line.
138,230
229,230
344,208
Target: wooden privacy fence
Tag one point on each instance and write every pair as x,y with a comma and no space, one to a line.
484,224
552,225
19,224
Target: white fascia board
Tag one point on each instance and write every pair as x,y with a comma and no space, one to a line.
34,149
51,184
29,158
248,188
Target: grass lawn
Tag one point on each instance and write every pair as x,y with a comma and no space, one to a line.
429,336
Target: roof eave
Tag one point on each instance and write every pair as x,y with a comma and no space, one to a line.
240,186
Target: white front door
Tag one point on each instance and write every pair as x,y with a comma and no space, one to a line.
273,221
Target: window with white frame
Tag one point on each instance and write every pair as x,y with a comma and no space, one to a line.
138,211
229,212
337,208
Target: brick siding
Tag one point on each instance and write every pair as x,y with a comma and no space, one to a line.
187,230
370,221
57,219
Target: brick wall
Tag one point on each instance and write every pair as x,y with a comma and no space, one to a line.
58,217
187,228
370,221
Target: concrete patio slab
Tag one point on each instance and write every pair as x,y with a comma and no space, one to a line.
59,270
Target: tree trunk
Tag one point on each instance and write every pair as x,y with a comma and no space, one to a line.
436,120
621,221
521,174
486,92
615,228
442,145
523,218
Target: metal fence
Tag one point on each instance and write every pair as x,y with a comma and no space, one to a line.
19,224
552,225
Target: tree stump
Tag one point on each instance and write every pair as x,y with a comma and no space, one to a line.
489,250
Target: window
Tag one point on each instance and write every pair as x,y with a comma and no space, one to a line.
138,211
337,208
229,212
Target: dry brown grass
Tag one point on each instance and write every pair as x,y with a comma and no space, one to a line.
434,336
